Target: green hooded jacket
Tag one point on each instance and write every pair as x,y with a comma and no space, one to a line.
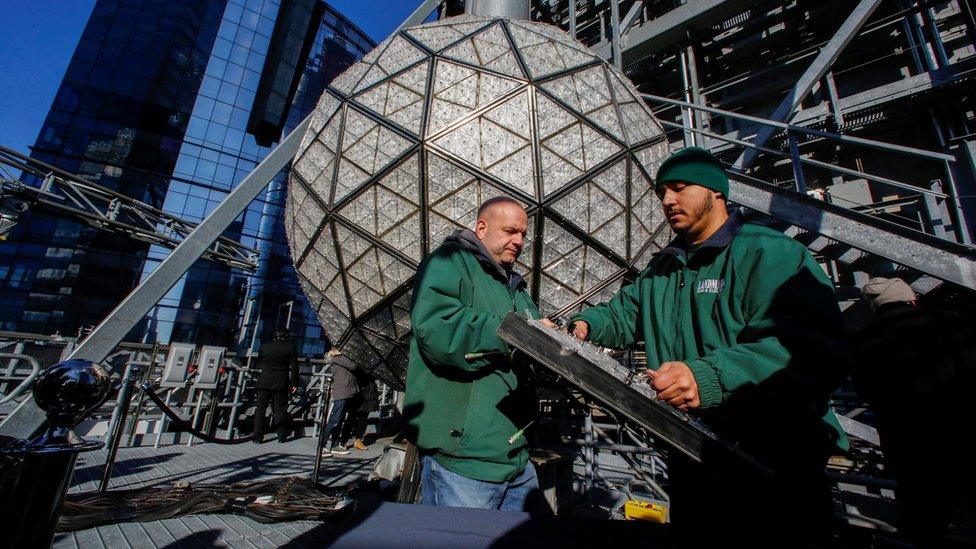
756,320
463,411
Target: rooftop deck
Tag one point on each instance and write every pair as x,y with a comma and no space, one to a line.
210,463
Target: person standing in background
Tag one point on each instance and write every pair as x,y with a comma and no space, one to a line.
909,358
279,359
345,391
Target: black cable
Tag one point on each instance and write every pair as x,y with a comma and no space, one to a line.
274,500
184,426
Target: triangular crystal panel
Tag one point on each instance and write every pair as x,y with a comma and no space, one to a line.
400,100
588,93
639,123
306,217
440,34
458,90
545,56
398,56
490,49
367,148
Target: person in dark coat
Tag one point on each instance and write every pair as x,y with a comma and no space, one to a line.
345,391
279,359
368,401
916,366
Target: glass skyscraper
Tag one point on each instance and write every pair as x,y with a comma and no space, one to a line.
173,103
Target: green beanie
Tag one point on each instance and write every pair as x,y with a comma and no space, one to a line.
697,166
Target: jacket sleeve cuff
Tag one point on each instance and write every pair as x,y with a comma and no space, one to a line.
591,320
709,388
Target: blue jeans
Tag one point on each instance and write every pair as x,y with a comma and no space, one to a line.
333,427
448,489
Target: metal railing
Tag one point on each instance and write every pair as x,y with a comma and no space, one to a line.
218,409
794,133
25,383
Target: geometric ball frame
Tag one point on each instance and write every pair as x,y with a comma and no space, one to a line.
405,145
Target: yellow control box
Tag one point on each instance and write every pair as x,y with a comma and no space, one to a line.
649,510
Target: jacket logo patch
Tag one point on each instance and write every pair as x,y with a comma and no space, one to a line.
710,286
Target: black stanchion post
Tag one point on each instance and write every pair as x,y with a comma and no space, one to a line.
210,423
322,434
36,473
116,434
142,396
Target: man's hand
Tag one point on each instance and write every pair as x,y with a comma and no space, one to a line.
548,323
293,389
581,330
676,385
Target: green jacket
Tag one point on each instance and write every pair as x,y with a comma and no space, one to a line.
464,411
755,318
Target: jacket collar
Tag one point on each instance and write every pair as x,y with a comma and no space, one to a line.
719,239
468,241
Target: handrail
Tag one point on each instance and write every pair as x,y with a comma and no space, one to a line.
35,370
809,131
810,161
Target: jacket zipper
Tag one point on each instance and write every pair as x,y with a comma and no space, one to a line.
680,312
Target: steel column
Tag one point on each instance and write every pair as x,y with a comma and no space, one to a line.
615,33
572,18
512,9
631,16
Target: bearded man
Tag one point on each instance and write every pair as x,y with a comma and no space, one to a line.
741,327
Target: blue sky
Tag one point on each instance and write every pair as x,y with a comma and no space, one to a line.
39,37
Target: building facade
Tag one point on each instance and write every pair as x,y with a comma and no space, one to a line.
174,103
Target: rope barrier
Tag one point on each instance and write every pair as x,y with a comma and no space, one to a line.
185,426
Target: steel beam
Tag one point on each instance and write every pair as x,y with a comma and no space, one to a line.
796,128
924,253
816,71
670,27
631,16
419,15
850,105
127,314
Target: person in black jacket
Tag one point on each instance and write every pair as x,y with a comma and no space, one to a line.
916,367
344,392
279,359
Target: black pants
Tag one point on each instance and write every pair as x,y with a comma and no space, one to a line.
279,400
358,419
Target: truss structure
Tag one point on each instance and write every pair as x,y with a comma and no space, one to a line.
70,196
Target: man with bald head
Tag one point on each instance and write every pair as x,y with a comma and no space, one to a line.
467,400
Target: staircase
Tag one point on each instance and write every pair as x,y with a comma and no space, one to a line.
866,244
